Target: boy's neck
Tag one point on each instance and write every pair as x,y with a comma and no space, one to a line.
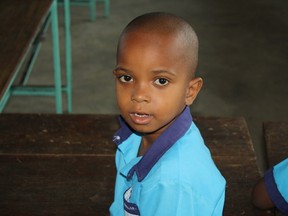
145,144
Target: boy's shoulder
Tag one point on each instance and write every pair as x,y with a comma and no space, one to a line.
189,157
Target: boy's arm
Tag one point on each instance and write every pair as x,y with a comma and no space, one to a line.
271,190
260,196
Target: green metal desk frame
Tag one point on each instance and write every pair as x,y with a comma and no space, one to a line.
93,6
57,89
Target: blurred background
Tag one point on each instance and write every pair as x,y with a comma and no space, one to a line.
243,59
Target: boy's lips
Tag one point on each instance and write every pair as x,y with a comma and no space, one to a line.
140,118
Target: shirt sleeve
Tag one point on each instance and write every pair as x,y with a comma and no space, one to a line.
276,182
172,199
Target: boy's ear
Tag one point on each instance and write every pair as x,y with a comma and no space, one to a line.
193,89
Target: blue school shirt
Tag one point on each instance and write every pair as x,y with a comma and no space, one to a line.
276,182
176,176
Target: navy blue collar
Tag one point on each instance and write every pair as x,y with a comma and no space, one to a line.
164,142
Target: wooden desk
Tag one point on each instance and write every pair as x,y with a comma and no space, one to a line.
20,22
56,164
231,147
64,164
276,139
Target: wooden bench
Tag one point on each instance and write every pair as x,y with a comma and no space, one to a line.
276,140
64,164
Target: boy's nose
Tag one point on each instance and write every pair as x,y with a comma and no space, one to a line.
140,94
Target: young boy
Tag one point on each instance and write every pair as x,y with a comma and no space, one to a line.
272,190
163,165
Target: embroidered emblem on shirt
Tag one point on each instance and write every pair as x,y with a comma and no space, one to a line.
130,209
116,138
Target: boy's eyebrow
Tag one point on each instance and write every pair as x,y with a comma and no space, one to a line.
122,69
157,72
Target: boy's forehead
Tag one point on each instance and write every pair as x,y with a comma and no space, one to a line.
172,42
157,38
170,46
143,35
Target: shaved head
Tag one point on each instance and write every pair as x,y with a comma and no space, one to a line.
168,25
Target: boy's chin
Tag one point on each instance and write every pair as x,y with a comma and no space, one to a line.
142,131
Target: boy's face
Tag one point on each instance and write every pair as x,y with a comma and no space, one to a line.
152,84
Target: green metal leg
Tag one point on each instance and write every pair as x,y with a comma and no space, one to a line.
107,7
4,100
68,55
92,5
56,57
35,52
93,9
29,70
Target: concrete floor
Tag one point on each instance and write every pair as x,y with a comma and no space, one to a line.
243,59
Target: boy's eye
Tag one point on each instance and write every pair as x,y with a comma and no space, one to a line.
125,78
161,81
